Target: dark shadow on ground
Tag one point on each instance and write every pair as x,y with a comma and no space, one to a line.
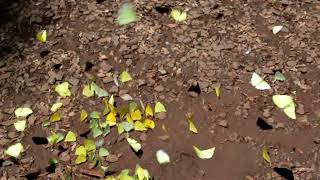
18,22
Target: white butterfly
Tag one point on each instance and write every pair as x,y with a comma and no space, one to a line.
259,83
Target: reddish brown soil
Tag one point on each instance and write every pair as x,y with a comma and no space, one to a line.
208,49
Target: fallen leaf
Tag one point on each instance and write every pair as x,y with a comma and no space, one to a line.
125,77
63,89
276,29
178,15
285,103
134,144
162,157
126,14
23,112
88,91
56,106
42,36
14,150
55,117
192,127
112,158
20,125
159,108
83,115
70,137
265,155
204,154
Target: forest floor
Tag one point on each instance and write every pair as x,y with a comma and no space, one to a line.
181,65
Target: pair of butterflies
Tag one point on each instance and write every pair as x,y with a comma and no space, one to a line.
283,102
127,14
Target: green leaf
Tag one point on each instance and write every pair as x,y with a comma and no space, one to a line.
55,117
204,154
81,159
23,112
14,150
103,152
125,77
83,115
99,91
134,144
162,157
42,36
70,137
126,14
95,115
87,91
89,145
63,89
55,107
20,125
285,103
81,150
159,108
279,76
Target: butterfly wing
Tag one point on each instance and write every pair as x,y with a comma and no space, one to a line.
263,86
126,15
290,111
258,82
282,101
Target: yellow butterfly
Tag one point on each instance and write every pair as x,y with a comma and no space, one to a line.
285,103
178,16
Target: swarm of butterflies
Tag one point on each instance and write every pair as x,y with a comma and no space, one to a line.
284,102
